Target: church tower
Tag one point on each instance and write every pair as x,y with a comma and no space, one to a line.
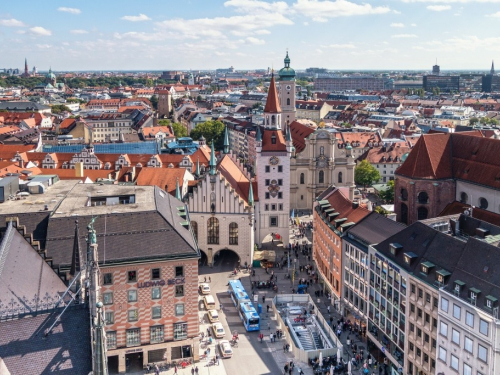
287,92
273,151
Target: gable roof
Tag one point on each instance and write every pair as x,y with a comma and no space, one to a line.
236,177
268,145
299,134
164,178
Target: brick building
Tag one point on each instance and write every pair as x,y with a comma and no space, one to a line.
333,214
442,168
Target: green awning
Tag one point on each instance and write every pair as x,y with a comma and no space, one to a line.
491,298
443,273
411,255
474,290
428,264
461,283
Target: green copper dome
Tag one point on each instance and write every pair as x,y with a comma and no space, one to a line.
287,73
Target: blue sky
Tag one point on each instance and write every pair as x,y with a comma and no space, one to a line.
247,34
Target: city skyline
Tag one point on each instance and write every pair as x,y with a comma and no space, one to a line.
249,34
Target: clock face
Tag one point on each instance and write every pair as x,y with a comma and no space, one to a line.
288,87
274,160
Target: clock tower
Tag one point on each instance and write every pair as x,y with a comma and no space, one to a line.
273,151
287,92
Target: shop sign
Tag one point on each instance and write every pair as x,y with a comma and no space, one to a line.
134,350
149,284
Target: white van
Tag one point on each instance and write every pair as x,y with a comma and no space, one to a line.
209,302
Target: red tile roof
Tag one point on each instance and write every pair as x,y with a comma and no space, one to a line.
67,123
268,145
345,208
456,207
272,103
235,176
164,178
299,134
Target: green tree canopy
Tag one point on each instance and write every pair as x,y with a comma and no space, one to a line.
58,108
211,130
154,101
388,195
366,174
179,130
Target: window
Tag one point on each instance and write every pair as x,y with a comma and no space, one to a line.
444,304
273,221
268,195
455,336
108,279
426,337
179,290
280,207
443,329
156,312
111,340
280,168
179,271
194,227
468,369
419,352
155,293
109,317
155,274
133,337
404,194
287,101
483,327
233,234
268,169
213,231
280,195
427,318
454,362
107,298
132,296
483,203
302,178
132,276
423,197
419,332
482,353
422,213
266,207
321,177
339,178
469,319
179,309
442,354
468,344
268,182
180,331
280,182
419,313
273,207
156,334
456,311
464,198
412,288
133,315
427,298
412,308
321,150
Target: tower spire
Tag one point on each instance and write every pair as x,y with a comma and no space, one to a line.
250,194
226,141
492,71
212,164
198,167
272,103
76,259
177,190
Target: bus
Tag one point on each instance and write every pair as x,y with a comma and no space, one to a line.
249,316
237,292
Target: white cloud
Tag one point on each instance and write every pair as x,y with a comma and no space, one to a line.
255,41
139,18
44,46
438,8
142,36
320,11
11,23
69,10
342,46
78,31
396,12
404,36
306,23
262,32
496,15
38,30
413,25
397,25
253,6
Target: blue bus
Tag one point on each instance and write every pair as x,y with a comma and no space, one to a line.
237,292
249,316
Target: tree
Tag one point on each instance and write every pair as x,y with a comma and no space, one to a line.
199,98
154,101
473,121
179,130
388,194
58,108
381,211
257,105
366,174
211,130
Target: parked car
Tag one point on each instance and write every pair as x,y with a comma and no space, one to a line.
204,289
225,349
213,316
218,330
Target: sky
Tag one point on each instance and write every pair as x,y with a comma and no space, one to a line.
249,34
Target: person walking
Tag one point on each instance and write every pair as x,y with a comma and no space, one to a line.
196,370
209,279
271,337
217,359
192,370
175,369
157,370
261,336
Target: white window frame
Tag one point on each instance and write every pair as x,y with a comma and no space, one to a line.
444,304
455,336
457,310
482,353
469,318
442,354
443,329
481,321
468,345
454,362
467,369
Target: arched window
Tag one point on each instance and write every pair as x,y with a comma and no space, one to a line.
340,178
404,194
233,234
483,203
194,227
302,178
464,198
321,150
422,213
288,101
423,197
213,231
321,177
273,120
404,213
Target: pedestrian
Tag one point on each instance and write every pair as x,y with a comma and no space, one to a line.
370,362
217,359
175,369
263,299
157,370
209,279
196,370
205,280
271,337
284,347
261,336
268,325
328,308
267,308
192,370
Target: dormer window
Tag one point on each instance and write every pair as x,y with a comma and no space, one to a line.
440,279
491,302
395,248
426,266
458,286
409,257
473,292
425,269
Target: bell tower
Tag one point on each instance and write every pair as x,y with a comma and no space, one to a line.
287,92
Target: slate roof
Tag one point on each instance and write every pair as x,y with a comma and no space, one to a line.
23,106
129,234
66,350
374,228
